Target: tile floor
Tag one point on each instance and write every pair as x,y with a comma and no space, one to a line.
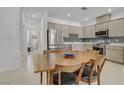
112,74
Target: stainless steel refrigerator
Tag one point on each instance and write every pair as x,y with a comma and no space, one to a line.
55,40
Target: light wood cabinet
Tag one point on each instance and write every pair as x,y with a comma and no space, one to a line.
87,32
92,31
120,27
116,27
102,26
103,18
115,53
87,46
81,32
77,46
65,31
73,29
112,28
77,30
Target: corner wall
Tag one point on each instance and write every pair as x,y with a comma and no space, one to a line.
10,49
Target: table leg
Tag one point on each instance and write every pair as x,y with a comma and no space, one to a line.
41,78
98,77
48,77
51,77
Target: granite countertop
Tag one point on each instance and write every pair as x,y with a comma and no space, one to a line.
111,44
116,44
78,42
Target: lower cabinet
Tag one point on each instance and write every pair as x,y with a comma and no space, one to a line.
73,46
77,47
87,46
115,53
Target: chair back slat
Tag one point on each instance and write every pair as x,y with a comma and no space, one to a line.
70,69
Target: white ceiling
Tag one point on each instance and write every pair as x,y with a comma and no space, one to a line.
78,15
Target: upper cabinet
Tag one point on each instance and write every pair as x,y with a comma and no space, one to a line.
89,31
101,26
92,31
65,31
103,18
112,28
81,32
116,27
120,27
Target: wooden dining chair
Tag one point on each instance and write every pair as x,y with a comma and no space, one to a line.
100,65
40,62
92,73
65,75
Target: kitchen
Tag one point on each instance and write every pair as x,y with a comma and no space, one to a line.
41,39
72,28
106,35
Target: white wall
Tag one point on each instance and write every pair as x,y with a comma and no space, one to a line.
10,54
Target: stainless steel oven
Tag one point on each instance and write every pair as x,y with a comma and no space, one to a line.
101,48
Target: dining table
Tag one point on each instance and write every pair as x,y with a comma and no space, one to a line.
48,61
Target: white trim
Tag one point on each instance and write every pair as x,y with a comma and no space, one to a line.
62,21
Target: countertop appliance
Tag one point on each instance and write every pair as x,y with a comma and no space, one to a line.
102,33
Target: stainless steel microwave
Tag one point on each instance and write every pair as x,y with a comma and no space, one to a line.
102,33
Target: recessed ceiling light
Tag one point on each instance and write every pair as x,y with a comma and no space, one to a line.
33,15
86,19
68,15
109,10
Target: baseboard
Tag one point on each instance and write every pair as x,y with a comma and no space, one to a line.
10,67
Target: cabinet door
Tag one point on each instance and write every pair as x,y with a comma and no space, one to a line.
71,29
120,27
112,28
81,32
87,46
104,25
76,30
87,32
77,47
65,31
92,31
116,27
98,27
115,53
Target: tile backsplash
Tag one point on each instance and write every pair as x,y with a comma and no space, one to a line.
100,39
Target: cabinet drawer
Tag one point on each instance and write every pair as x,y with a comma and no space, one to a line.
115,54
